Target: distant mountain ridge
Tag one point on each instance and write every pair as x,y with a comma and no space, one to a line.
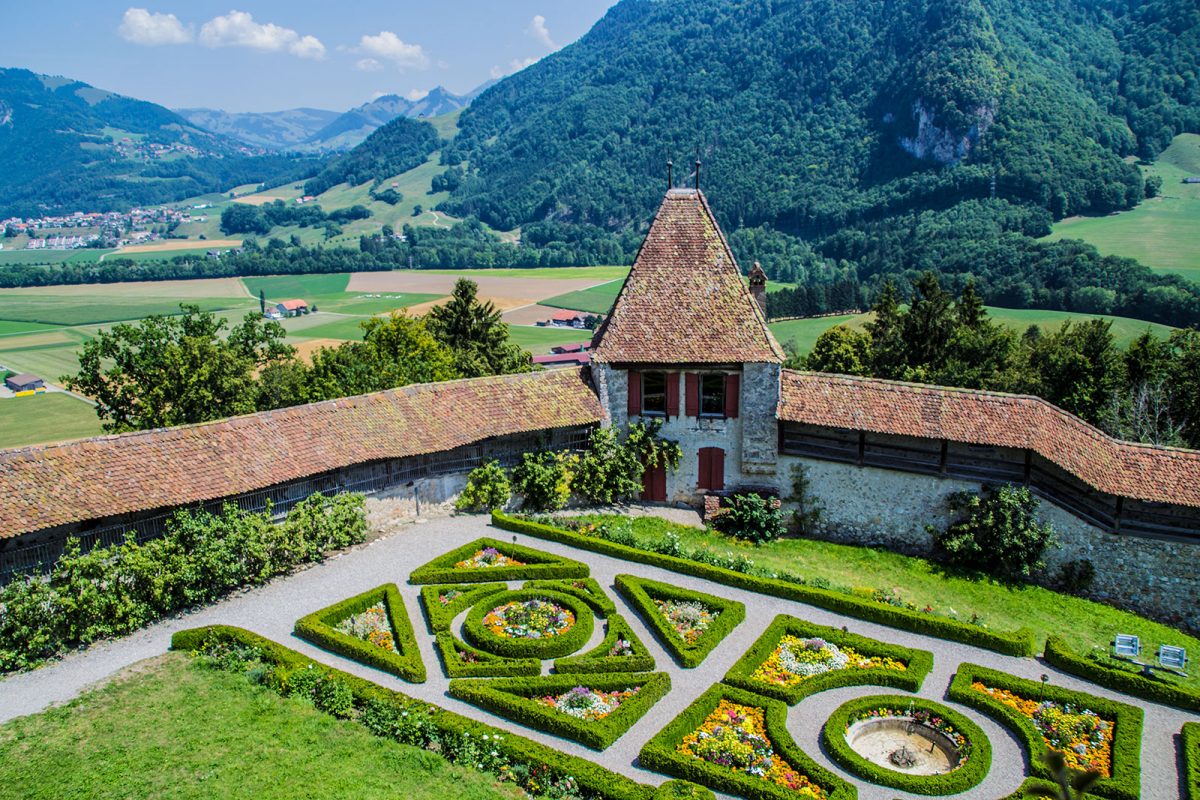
276,130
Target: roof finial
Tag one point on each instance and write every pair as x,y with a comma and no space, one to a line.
697,174
670,181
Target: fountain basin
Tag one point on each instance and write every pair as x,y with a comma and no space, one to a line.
904,745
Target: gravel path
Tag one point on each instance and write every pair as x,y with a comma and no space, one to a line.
273,609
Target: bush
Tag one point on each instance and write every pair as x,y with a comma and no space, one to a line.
971,770
461,660
998,532
683,790
535,564
320,629
519,699
808,512
440,615
544,480
1190,741
641,594
1075,577
586,589
598,659
1013,643
487,488
569,641
751,517
611,470
1059,654
918,663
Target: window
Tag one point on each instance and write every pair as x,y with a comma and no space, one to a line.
654,393
712,395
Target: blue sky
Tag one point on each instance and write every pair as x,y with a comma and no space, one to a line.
266,55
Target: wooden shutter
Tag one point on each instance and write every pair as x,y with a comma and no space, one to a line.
716,463
692,390
732,385
705,471
672,394
635,393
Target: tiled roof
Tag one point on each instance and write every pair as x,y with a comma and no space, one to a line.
1136,471
88,479
684,301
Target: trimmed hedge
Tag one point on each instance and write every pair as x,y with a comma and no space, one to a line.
979,749
598,660
427,723
1014,643
1060,654
518,700
1190,741
487,665
440,617
586,589
405,663
642,593
919,662
683,790
536,564
575,637
660,752
1125,782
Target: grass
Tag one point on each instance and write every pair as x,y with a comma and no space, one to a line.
12,327
44,418
8,256
173,728
106,306
1160,232
564,273
596,300
804,332
328,293
1083,623
540,340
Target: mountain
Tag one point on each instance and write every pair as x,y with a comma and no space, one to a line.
274,130
352,127
393,148
67,146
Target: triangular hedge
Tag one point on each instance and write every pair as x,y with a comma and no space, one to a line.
535,564
320,629
518,699
597,660
483,664
440,615
642,593
586,589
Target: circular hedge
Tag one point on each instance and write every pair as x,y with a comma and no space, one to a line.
566,643
682,790
977,752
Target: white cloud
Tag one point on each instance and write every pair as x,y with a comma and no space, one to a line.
238,29
516,65
417,94
538,30
390,47
142,27
368,65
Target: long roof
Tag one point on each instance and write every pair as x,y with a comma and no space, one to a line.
1136,471
684,301
88,479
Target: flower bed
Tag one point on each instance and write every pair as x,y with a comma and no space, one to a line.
372,628
973,749
621,651
736,741
461,660
586,589
493,560
443,603
787,662
689,624
529,623
1019,704
594,710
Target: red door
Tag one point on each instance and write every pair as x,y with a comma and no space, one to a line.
654,484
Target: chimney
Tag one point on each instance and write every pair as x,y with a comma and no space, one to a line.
758,287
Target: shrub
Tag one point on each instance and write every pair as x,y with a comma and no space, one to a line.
751,517
1190,741
544,480
440,615
586,589
998,532
809,510
611,469
1075,577
487,488
683,790
570,640
405,662
1059,654
534,564
641,593
461,660
601,658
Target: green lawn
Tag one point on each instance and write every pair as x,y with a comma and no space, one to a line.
804,332
12,327
8,256
596,300
565,273
334,328
1160,232
172,728
540,340
42,418
328,293
1083,623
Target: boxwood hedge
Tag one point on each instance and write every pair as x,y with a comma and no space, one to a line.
918,662
568,642
586,589
642,593
972,770
598,659
1015,643
319,628
683,790
660,752
519,699
481,664
395,715
535,564
1190,741
1060,654
1125,781
439,615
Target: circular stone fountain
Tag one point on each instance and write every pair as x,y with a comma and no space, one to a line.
904,745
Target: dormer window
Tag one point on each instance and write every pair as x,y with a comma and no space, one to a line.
654,394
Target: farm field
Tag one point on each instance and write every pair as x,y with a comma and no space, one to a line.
1160,232
9,257
596,300
45,418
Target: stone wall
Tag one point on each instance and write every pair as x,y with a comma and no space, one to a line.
890,508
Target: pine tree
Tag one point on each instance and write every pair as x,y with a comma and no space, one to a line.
476,333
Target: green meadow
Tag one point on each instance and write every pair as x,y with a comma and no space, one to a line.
596,300
43,418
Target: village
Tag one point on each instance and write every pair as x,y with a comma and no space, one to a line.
93,229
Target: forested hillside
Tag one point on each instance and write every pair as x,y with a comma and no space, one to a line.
397,147
67,146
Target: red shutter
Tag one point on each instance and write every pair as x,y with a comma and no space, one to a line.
692,386
705,476
732,385
717,463
672,394
635,393
660,484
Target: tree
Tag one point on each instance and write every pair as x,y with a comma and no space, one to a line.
176,370
997,532
262,302
244,218
476,334
841,350
929,322
1077,367
890,355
